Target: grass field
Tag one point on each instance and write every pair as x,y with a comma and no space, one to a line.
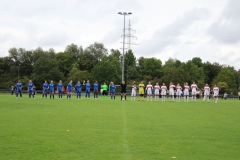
89,129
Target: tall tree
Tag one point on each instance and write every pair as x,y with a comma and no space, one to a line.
229,76
152,67
65,62
107,70
76,74
46,69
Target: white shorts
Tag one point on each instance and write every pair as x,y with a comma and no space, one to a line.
171,93
178,93
186,93
156,92
206,93
215,94
149,92
194,92
163,93
133,94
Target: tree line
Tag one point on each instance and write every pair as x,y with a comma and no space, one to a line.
95,62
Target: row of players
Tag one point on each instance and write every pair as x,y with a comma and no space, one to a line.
112,87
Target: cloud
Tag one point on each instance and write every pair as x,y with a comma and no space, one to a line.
226,28
162,38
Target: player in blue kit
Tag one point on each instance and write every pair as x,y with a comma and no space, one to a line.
95,90
78,89
87,92
69,89
45,89
112,90
19,89
30,89
59,89
51,89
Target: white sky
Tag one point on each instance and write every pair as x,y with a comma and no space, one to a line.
209,29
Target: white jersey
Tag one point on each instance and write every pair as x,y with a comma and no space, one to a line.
179,90
186,90
206,90
164,90
215,91
156,88
171,89
134,88
149,88
194,89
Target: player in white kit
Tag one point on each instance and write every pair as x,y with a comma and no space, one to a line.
215,93
206,93
194,91
186,92
171,92
133,95
179,92
156,91
149,88
163,92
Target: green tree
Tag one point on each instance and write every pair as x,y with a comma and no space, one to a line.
65,62
152,67
175,75
211,71
116,53
229,76
223,87
130,66
45,69
76,74
107,70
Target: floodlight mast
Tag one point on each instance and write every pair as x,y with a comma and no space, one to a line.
124,14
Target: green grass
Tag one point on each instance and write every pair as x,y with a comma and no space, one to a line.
104,129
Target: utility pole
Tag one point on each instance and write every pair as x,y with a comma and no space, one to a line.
124,15
130,37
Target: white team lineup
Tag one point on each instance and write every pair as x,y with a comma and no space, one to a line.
149,91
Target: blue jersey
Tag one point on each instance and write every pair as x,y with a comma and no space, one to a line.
51,87
45,85
88,86
69,87
19,85
30,86
95,86
79,87
112,89
60,86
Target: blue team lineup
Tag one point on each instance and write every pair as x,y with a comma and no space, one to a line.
149,91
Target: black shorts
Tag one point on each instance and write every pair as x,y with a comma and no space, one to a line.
123,91
104,92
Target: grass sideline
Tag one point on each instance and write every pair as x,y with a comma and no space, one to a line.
103,129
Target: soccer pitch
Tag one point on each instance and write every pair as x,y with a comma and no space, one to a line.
104,129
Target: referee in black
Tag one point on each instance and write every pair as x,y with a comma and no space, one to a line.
123,90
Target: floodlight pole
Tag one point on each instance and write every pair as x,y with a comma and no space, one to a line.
124,14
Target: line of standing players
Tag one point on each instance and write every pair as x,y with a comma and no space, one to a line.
112,87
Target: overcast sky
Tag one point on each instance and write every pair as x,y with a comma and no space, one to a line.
209,29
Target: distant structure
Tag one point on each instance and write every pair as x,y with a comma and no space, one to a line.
130,37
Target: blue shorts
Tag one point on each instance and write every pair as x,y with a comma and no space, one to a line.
19,90
87,91
69,90
45,90
79,91
52,91
113,92
59,91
